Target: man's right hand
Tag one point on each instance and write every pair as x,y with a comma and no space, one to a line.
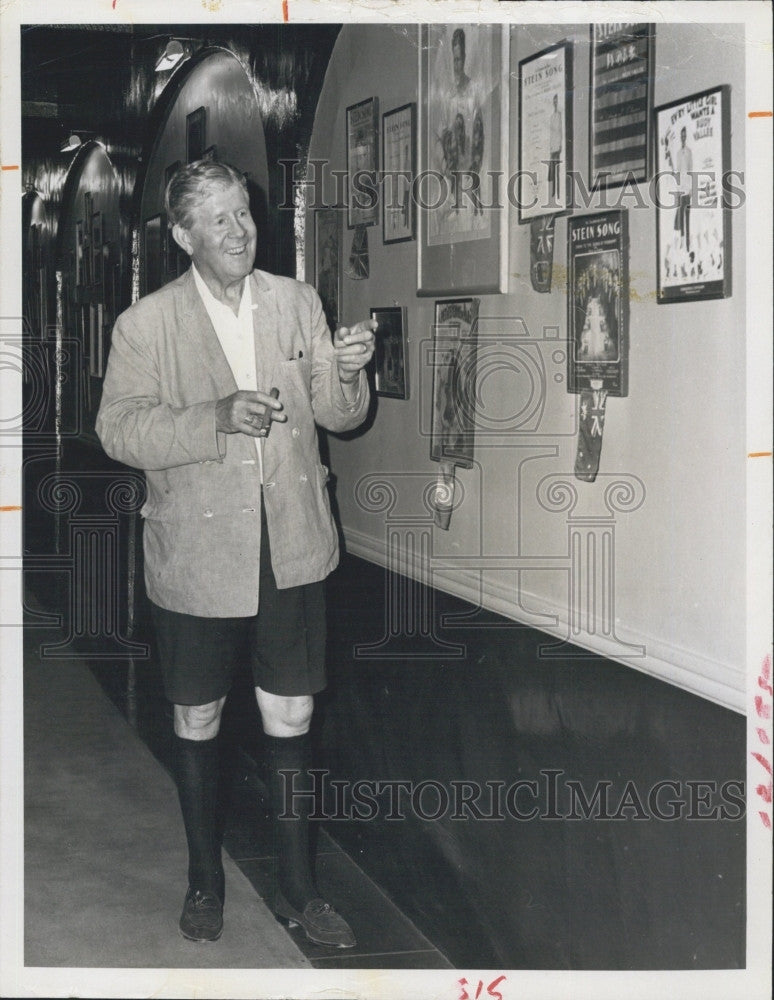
241,412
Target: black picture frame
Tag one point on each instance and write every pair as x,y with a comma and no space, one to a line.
362,121
169,173
96,250
152,238
454,357
391,373
327,263
195,134
399,165
545,84
621,74
693,265
598,302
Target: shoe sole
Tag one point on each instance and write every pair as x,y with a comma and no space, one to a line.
199,940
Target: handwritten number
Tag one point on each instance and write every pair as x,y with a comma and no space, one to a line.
492,991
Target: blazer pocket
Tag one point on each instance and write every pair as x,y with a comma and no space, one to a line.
298,369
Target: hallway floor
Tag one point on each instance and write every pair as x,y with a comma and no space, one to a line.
105,852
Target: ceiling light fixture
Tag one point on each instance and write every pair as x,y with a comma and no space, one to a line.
171,56
73,142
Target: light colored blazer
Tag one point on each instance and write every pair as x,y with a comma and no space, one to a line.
165,373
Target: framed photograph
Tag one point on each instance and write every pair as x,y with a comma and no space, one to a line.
545,133
621,89
363,163
463,150
195,134
598,302
455,335
391,358
398,168
327,262
693,224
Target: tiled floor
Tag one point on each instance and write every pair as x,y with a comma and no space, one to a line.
386,939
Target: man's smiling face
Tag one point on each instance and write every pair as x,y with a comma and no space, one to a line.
222,237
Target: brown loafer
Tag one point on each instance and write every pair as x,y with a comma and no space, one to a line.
202,916
320,922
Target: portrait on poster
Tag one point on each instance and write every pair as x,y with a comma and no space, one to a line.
692,218
327,267
545,132
598,302
362,163
399,166
455,336
463,147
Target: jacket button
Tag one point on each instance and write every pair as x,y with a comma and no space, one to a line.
295,432
208,512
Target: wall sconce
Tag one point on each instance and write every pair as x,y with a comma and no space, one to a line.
171,56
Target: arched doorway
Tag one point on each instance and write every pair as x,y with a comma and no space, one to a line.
90,259
212,111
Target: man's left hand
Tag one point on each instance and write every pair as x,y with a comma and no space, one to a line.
353,348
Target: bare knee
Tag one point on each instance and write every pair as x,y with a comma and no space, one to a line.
198,722
284,716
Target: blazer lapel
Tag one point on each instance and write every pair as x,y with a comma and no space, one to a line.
266,325
201,339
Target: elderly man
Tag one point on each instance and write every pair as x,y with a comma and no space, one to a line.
238,531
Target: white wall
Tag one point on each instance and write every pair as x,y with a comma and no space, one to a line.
679,558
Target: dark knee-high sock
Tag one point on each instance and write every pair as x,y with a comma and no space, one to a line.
196,774
291,825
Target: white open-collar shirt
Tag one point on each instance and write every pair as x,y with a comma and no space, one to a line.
235,333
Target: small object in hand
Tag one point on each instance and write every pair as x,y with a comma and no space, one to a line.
265,425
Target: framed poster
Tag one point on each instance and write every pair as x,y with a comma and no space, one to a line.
390,360
398,170
545,133
195,134
327,262
598,302
621,89
693,225
463,151
455,335
363,163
